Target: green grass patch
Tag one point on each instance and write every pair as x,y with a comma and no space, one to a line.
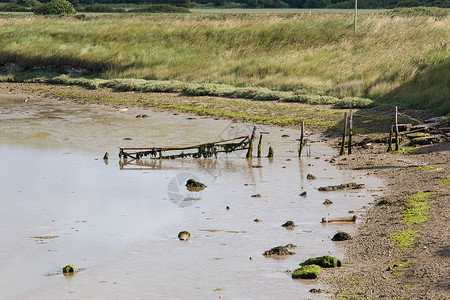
406,150
398,269
417,208
446,180
405,238
430,168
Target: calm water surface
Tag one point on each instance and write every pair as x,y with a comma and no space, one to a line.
62,204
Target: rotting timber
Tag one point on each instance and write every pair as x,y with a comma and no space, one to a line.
205,150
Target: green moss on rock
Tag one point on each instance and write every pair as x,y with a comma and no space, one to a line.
323,261
70,269
307,272
184,235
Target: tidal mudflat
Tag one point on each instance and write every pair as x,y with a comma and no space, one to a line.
63,204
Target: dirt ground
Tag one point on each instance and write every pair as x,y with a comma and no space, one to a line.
375,266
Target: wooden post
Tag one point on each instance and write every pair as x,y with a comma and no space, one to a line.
350,132
343,135
302,136
397,142
250,147
356,14
270,154
259,146
390,140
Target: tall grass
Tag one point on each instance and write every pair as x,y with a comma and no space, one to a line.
387,60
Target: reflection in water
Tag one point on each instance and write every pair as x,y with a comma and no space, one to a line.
122,227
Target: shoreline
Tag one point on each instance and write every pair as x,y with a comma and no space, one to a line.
369,270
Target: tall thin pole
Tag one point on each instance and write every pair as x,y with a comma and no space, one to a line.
301,139
356,13
397,142
350,132
343,136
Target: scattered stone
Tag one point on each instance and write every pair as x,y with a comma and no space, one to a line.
227,208
344,186
383,202
303,194
69,269
278,251
288,225
142,116
127,139
190,118
323,261
332,160
194,184
311,176
184,235
351,211
285,135
341,236
256,196
316,291
105,157
327,202
291,246
270,154
251,258
257,220
257,166
307,272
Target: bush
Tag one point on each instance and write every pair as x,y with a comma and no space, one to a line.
420,11
160,8
102,9
55,7
14,7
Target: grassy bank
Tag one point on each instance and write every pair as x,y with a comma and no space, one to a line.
391,60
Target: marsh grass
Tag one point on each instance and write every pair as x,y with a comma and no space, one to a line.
391,60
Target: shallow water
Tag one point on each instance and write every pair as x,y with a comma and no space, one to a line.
120,225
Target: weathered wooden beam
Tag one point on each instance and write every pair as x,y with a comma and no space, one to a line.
339,219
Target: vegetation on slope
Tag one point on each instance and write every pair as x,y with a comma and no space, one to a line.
391,59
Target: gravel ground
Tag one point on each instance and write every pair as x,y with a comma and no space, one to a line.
368,271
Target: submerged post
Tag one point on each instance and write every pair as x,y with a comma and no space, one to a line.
397,142
250,146
343,136
259,145
302,136
350,132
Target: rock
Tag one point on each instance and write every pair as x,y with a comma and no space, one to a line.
288,225
257,166
257,220
105,157
327,202
256,196
383,202
285,135
184,235
323,261
303,194
278,251
195,184
142,116
291,246
316,291
333,160
311,176
127,139
345,186
307,272
227,208
69,269
341,236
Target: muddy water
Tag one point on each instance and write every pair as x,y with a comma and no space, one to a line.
62,204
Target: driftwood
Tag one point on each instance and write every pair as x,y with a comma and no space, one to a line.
339,219
202,150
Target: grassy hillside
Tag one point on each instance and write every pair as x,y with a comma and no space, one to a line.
391,59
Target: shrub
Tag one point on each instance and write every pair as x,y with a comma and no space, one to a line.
420,11
55,7
102,9
14,7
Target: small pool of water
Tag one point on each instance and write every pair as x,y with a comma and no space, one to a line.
62,204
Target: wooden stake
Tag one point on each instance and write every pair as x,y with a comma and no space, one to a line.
250,147
350,132
259,146
343,135
302,136
389,149
397,142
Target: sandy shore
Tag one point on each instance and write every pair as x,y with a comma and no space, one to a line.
371,267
